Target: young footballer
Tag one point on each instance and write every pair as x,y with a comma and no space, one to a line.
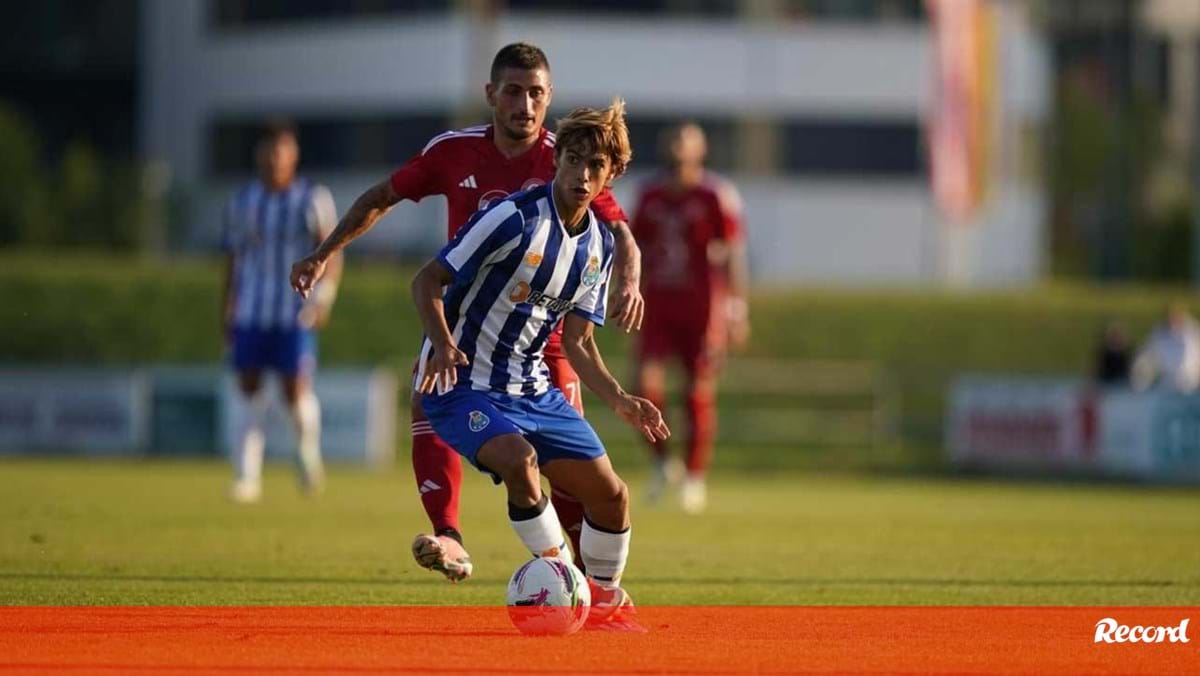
515,272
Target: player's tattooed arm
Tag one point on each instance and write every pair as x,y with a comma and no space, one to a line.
628,306
579,344
359,218
427,296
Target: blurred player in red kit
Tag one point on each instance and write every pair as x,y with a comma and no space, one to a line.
472,168
688,227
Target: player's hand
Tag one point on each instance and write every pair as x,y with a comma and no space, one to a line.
442,369
643,416
305,274
628,306
739,334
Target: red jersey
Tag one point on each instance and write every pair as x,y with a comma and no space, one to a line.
467,168
674,230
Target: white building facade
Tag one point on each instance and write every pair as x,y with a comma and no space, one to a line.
818,121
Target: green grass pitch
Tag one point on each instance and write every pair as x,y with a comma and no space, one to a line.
94,532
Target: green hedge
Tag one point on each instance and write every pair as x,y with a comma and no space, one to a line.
91,310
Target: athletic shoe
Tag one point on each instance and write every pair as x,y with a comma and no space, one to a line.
693,496
443,554
612,610
245,492
665,473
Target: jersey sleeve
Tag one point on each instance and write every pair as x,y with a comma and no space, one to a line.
729,203
592,306
607,208
322,214
489,235
417,178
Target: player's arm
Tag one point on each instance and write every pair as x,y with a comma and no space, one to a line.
579,343
318,308
359,218
736,265
738,304
427,296
227,278
227,296
628,306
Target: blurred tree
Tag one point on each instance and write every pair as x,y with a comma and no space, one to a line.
23,199
88,203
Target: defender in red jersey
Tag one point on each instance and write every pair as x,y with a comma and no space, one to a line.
688,226
472,167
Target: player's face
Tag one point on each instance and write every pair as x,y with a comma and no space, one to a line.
277,159
519,101
580,175
688,146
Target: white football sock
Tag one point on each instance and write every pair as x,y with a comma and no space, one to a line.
306,415
248,440
539,533
604,554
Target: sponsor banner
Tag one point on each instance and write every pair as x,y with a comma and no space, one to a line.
1155,435
1046,425
185,411
73,410
1018,423
358,417
676,640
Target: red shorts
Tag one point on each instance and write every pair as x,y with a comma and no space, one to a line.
561,373
685,329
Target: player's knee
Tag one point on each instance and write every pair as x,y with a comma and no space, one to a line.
515,461
617,498
621,498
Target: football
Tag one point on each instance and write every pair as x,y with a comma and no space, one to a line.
548,597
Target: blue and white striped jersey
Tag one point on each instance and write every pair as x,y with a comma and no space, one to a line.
266,231
516,274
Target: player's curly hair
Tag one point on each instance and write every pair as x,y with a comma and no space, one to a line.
604,130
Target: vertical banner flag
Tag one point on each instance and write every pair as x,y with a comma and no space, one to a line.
961,112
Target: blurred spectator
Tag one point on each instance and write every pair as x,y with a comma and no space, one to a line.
1170,357
1113,354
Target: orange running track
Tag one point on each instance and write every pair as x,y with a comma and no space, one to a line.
681,640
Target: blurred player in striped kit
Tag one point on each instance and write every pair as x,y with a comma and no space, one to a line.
688,223
267,224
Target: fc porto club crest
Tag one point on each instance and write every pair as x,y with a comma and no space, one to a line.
591,274
476,421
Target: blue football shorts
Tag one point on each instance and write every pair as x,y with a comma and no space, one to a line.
290,352
467,419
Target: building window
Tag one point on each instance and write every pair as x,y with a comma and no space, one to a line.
651,7
856,10
842,147
327,143
255,13
645,130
